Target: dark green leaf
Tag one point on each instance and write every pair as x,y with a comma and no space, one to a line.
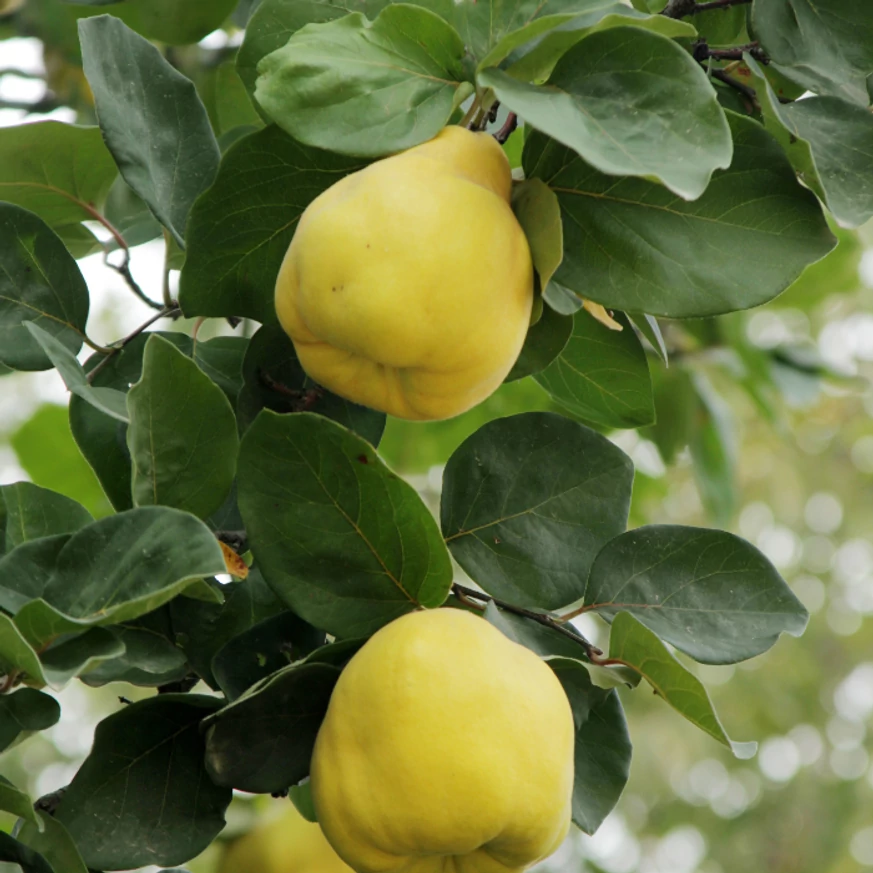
826,45
539,214
173,22
39,283
12,799
60,171
119,568
52,840
527,503
174,811
16,653
107,400
23,712
221,358
274,379
241,228
545,340
337,654
677,408
707,592
263,649
263,741
345,542
632,245
152,120
102,439
603,747
26,570
636,646
66,659
33,512
17,853
182,434
602,375
362,88
630,103
201,629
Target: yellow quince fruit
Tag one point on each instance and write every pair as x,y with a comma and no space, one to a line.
286,843
408,285
446,748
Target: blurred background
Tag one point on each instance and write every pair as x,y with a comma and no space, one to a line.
765,428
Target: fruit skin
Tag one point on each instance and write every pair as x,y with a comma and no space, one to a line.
287,843
446,748
408,285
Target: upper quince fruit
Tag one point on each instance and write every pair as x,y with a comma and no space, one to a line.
446,748
408,285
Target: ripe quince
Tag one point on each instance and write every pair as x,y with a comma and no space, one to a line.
446,748
408,285
286,843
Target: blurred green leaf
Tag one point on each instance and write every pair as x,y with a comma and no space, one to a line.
709,593
39,283
51,839
603,747
636,646
157,746
59,171
241,228
159,135
603,92
314,498
676,406
602,375
263,741
182,434
527,503
173,22
67,659
33,512
17,853
365,88
536,208
632,245
545,340
21,713
17,655
263,649
274,379
12,799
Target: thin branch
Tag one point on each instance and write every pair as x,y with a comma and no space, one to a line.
166,312
703,52
591,651
720,4
506,131
683,8
745,90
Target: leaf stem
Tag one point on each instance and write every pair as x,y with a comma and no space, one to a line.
465,594
467,120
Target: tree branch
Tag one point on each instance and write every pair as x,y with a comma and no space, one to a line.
702,52
506,131
683,8
465,595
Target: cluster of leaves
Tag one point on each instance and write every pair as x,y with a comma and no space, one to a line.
656,182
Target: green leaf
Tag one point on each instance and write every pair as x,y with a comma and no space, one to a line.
527,503
103,439
25,570
221,358
709,593
552,28
240,229
539,214
636,646
107,400
345,542
274,379
24,711
648,326
825,45
630,103
631,245
545,340
603,747
174,811
40,283
182,435
51,839
263,741
62,172
70,658
33,512
16,653
201,629
677,408
14,800
173,22
17,853
149,658
263,649
119,568
152,120
363,88
840,138
602,375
